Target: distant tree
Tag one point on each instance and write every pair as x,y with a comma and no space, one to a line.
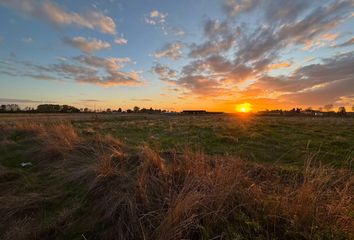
48,108
11,108
108,110
136,109
55,108
119,110
129,111
353,108
342,110
86,109
3,108
328,107
69,109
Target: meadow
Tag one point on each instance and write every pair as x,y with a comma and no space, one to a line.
141,176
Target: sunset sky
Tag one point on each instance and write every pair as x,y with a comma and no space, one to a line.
181,54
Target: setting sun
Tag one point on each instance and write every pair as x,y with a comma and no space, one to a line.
243,107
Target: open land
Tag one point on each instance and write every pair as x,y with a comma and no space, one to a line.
155,176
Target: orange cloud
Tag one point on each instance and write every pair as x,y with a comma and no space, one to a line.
280,65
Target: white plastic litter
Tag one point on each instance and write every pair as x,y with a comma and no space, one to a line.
25,164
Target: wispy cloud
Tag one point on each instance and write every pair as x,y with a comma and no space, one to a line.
170,50
87,45
27,40
82,69
91,100
349,42
53,13
157,18
141,99
13,100
121,41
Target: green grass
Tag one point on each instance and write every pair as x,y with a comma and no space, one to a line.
263,139
47,202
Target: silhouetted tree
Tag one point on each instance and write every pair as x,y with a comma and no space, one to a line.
342,110
119,110
136,109
55,108
328,107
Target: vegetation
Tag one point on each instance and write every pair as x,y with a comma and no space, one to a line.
177,177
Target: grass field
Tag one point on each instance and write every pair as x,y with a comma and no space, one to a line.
135,176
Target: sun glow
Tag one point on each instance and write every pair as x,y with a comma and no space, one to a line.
243,107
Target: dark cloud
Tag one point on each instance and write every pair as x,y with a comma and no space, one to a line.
315,83
164,72
211,47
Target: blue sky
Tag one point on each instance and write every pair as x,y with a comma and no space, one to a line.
177,54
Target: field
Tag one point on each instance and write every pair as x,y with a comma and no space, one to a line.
136,176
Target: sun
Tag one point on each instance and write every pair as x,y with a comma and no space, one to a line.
243,107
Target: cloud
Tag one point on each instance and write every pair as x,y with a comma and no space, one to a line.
141,99
112,66
90,100
347,43
27,40
280,65
211,47
87,45
178,32
170,50
326,39
236,58
53,13
234,7
13,100
155,17
164,72
313,84
121,41
83,69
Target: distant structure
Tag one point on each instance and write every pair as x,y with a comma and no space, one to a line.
195,112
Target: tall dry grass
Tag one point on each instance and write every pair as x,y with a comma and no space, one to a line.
147,195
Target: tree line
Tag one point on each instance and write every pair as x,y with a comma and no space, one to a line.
56,108
327,110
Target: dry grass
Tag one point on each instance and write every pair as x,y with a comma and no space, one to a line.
180,196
